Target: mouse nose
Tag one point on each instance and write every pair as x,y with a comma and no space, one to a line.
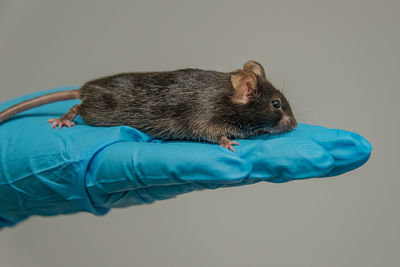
294,123
287,123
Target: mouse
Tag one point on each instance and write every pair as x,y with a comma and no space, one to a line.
185,104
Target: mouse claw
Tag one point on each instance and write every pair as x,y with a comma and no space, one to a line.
70,124
65,120
225,142
60,123
53,123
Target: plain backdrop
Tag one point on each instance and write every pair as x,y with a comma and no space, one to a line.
337,61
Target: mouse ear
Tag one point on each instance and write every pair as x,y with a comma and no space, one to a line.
245,85
255,67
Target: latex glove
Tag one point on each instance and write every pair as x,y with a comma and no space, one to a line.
46,171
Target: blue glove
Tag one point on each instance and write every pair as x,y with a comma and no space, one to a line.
48,171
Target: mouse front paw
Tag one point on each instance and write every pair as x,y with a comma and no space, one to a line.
225,142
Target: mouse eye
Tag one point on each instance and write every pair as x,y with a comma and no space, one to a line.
276,103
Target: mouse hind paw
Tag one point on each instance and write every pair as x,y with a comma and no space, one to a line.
60,123
65,120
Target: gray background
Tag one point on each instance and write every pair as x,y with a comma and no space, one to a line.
337,61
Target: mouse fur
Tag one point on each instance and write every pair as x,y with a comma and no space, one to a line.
185,104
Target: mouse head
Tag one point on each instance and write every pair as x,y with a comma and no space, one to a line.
258,102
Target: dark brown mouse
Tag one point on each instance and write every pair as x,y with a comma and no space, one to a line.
187,104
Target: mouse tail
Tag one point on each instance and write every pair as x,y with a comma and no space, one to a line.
38,101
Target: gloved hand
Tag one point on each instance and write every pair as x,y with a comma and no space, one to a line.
46,171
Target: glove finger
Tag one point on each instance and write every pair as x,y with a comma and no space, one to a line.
147,195
282,160
298,161
126,166
347,149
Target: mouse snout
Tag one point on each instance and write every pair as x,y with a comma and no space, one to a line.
293,123
286,124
